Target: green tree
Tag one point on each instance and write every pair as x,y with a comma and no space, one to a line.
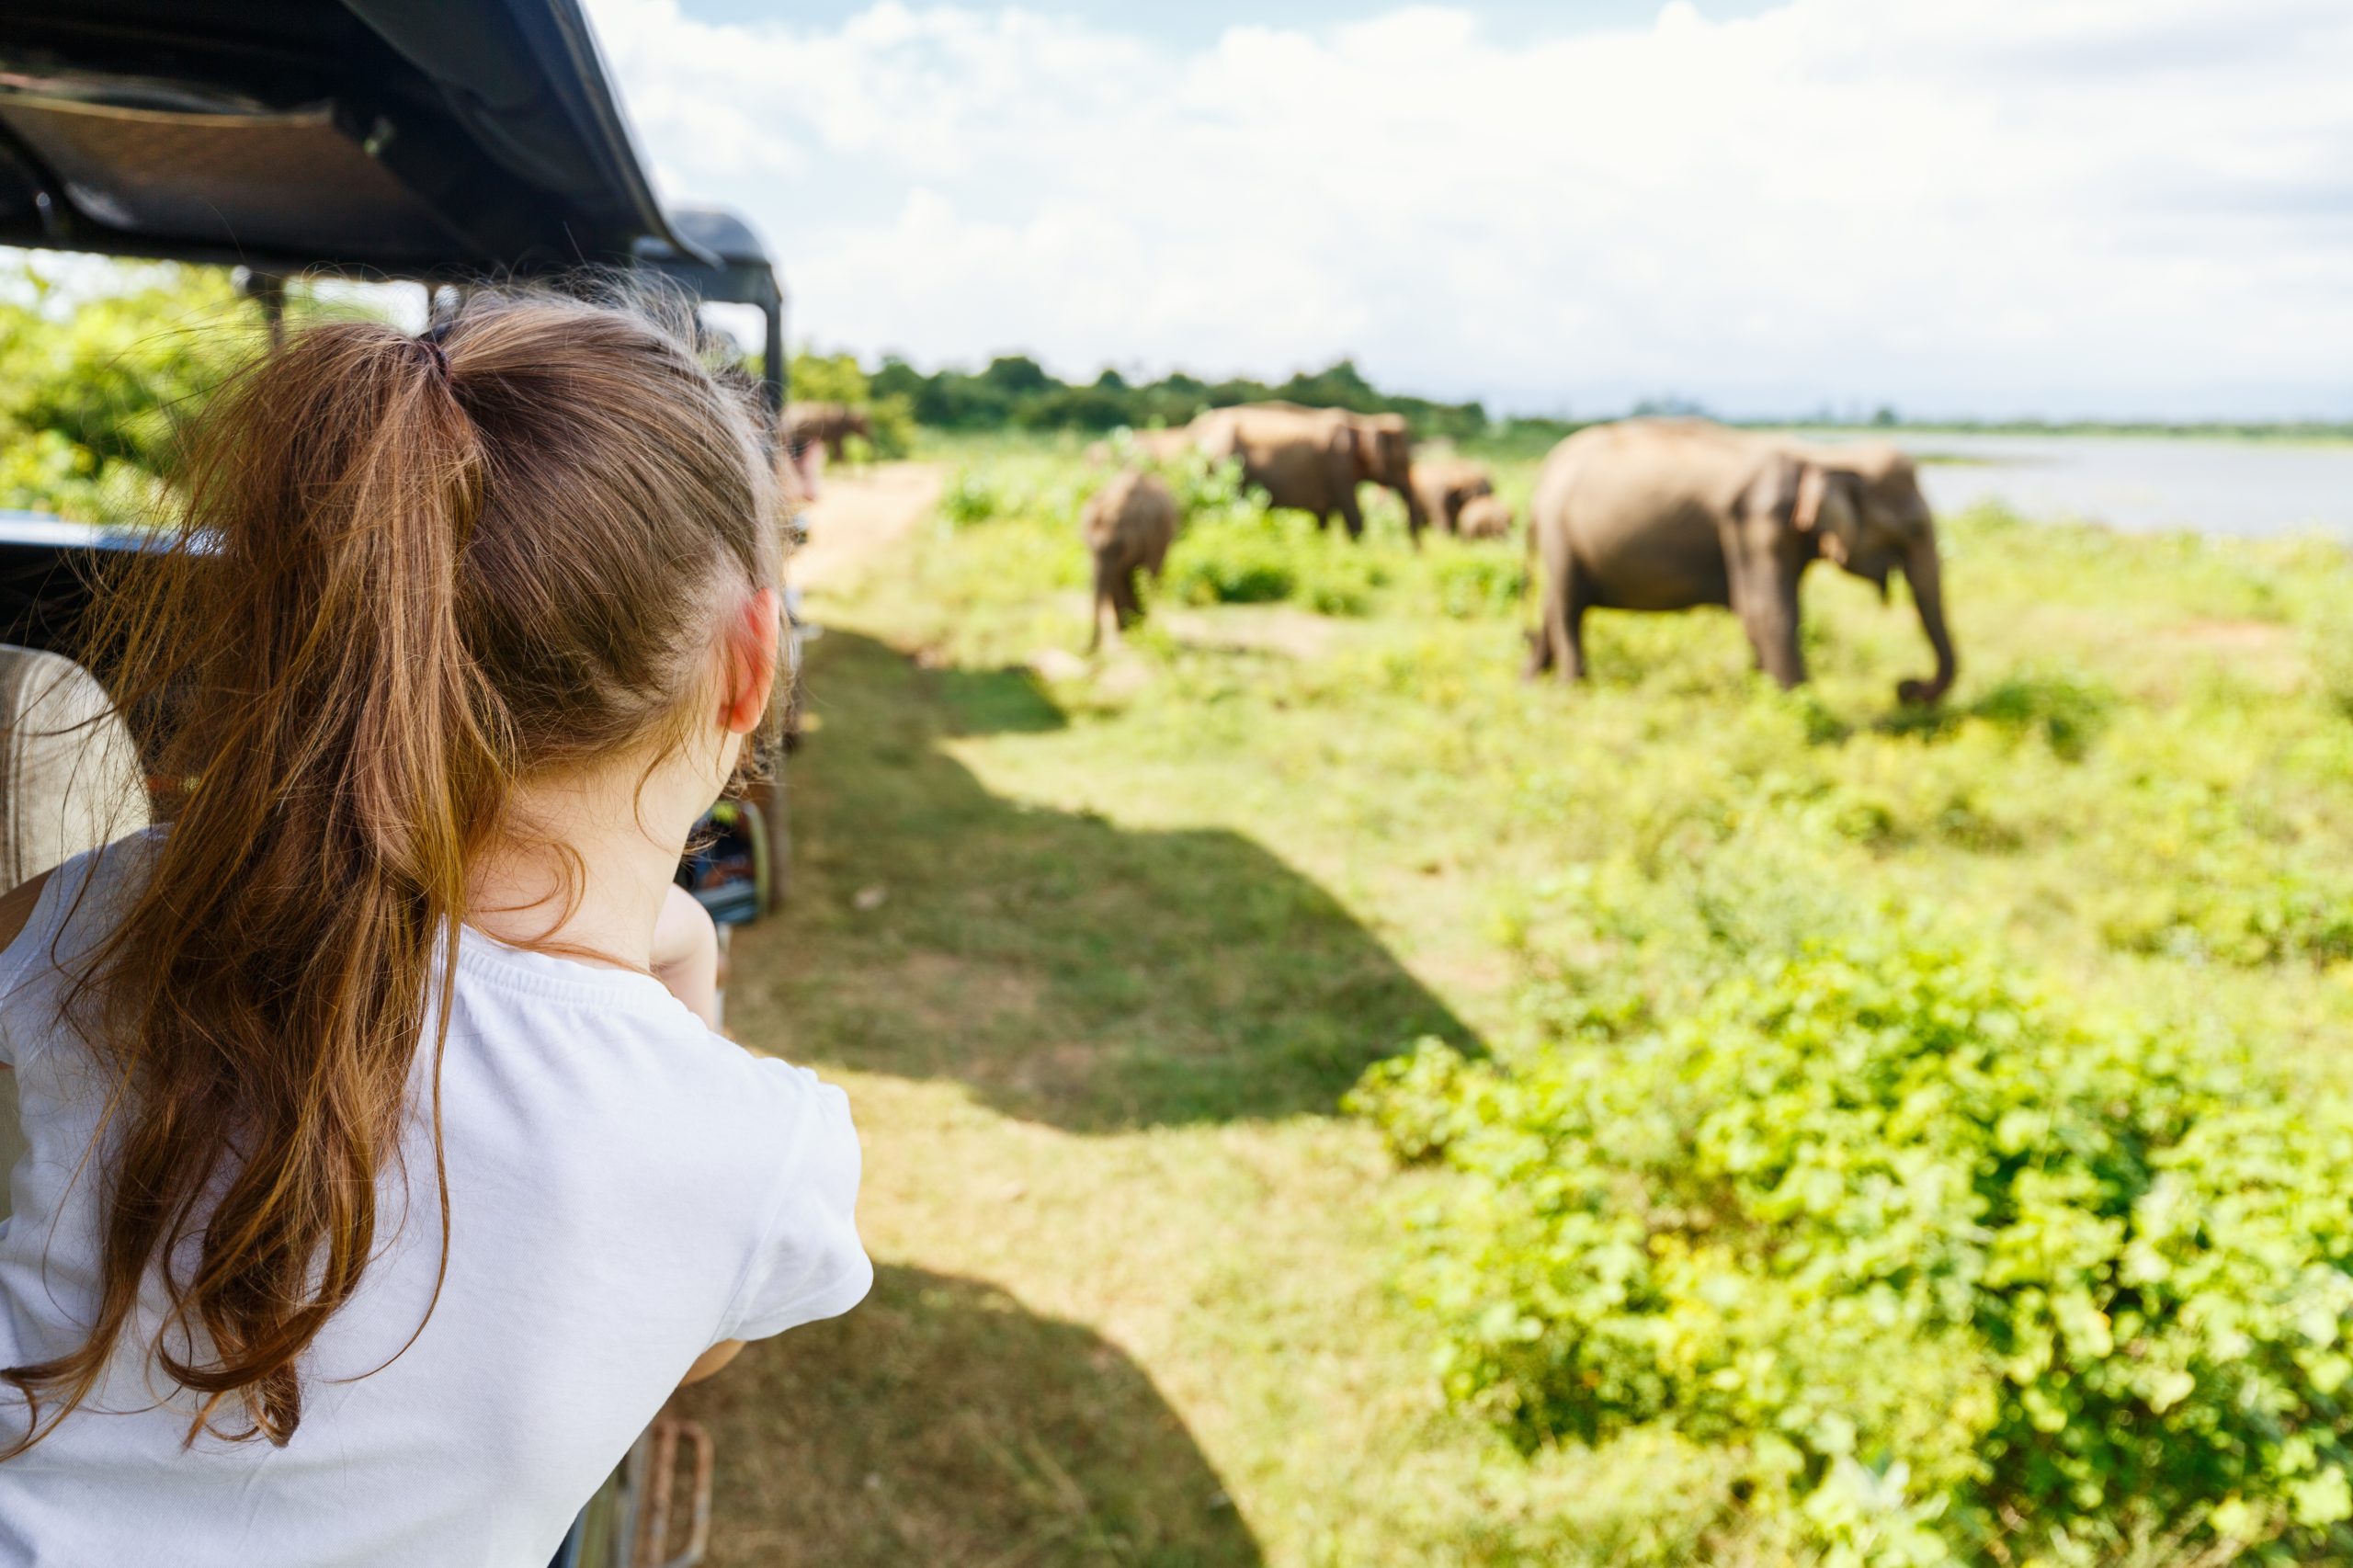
97,387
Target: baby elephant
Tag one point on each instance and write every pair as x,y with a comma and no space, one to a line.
1446,485
1128,525
1485,517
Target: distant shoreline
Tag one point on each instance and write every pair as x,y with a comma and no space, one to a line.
2300,434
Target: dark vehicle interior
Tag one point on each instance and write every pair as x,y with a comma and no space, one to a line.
435,141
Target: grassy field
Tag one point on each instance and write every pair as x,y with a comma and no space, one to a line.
1100,947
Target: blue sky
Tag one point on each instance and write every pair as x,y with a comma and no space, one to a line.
2118,208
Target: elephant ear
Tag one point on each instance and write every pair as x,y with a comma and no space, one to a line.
1805,513
1813,485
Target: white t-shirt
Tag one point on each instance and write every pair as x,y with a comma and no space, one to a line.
626,1190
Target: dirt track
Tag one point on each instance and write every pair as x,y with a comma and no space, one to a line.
858,515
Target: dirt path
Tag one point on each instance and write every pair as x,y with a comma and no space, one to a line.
859,515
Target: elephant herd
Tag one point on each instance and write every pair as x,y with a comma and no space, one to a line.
1637,514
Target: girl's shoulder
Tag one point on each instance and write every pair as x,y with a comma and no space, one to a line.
50,922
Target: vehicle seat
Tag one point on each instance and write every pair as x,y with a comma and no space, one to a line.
69,774
70,780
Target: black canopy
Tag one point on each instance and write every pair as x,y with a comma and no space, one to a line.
413,138
425,139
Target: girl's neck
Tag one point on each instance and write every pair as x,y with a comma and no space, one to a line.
589,863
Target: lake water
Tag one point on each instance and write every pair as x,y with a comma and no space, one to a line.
2146,483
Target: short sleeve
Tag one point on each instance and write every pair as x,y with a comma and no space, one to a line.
30,958
806,1262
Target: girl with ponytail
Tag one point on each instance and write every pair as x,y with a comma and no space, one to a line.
385,1175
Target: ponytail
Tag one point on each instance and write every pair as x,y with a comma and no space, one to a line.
351,654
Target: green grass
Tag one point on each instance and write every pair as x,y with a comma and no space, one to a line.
1143,919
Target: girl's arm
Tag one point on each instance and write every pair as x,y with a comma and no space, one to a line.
686,959
17,907
686,954
712,1361
15,910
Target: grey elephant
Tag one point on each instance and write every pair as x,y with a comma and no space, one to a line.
1445,485
1314,458
827,425
1669,514
1485,517
1385,456
1129,525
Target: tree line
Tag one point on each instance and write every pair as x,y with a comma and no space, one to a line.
1016,393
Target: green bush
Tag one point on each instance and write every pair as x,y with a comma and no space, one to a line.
1959,1272
47,470
1225,563
969,498
96,386
1472,582
2201,874
1249,557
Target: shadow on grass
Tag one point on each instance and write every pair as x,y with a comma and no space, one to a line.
1009,702
1072,971
942,1423
2068,710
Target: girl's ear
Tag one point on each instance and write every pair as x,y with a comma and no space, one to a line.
752,648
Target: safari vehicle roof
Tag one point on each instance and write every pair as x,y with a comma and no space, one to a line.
426,139
413,138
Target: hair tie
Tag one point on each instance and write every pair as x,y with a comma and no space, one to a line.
430,338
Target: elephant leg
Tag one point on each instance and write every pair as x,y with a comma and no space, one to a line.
1571,629
1105,604
1770,612
1418,516
1543,650
1351,518
1559,642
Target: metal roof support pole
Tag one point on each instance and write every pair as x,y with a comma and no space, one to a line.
266,289
773,371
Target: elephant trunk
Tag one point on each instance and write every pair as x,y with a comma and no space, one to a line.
1924,573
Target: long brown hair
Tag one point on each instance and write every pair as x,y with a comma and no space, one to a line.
408,573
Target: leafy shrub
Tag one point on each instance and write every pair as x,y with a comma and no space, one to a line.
46,470
969,498
1251,558
1226,562
96,386
1958,1272
1476,581
2196,874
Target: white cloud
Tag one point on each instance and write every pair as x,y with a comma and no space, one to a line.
2063,206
